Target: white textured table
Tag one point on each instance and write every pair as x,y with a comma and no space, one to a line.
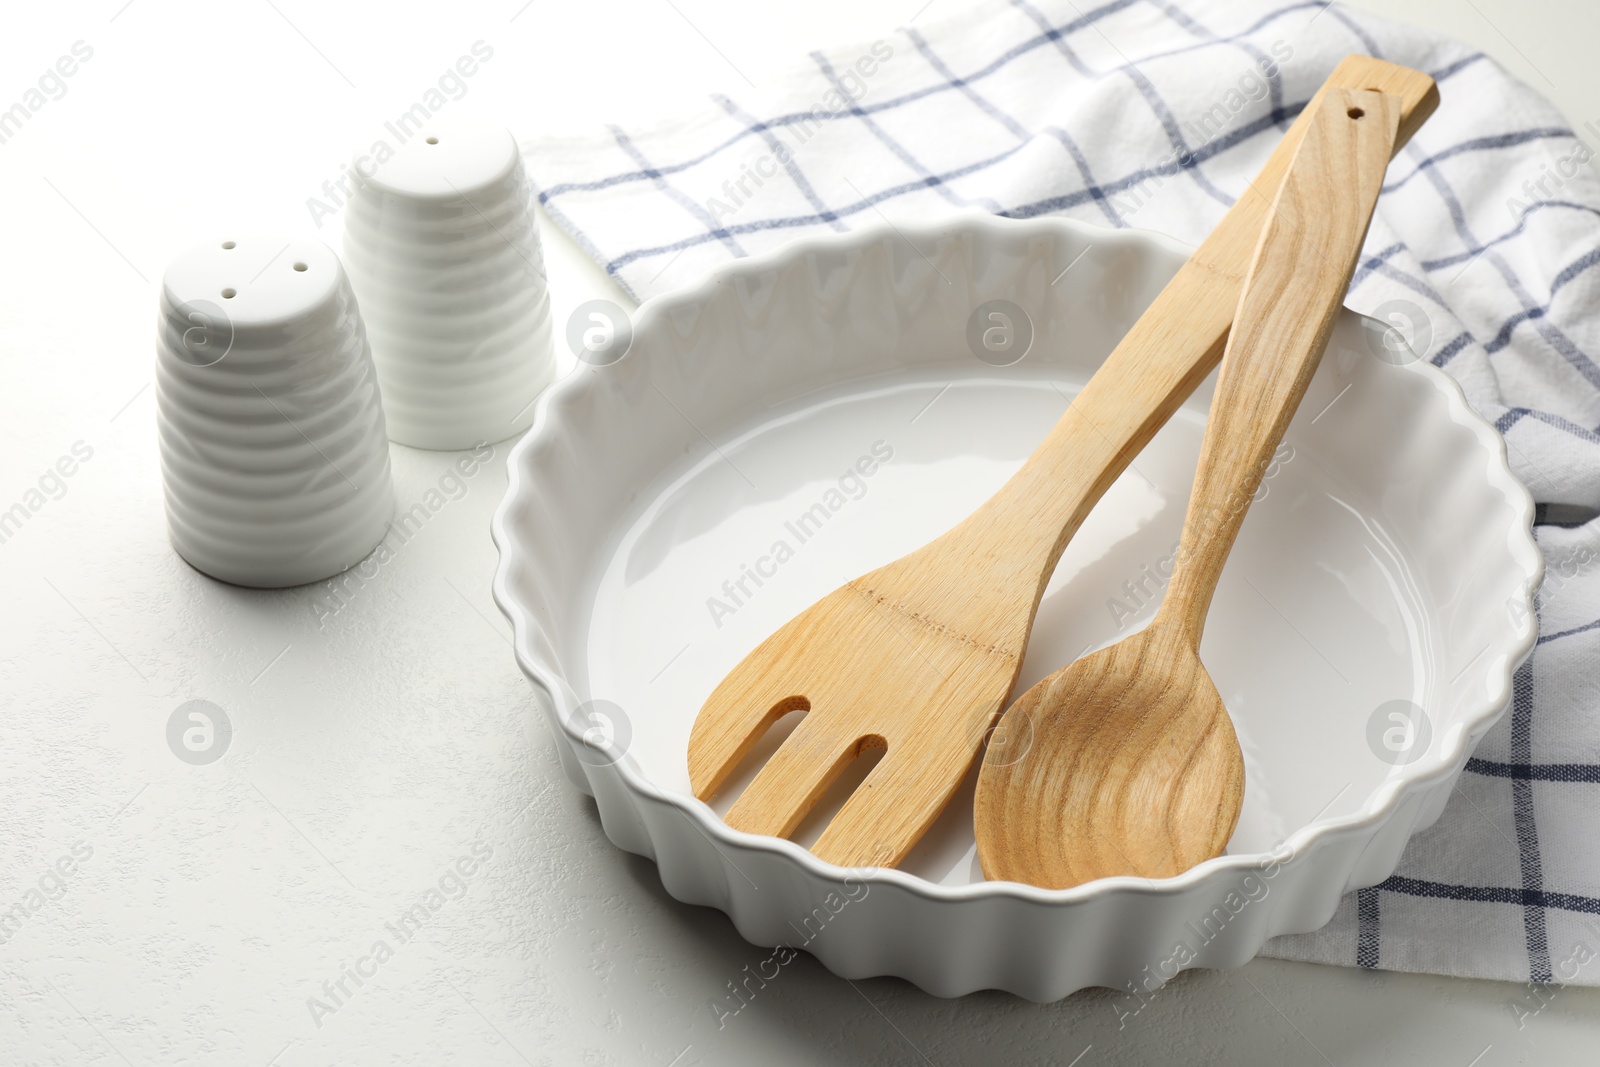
163,912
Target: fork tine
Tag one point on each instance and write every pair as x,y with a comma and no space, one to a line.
796,776
733,720
891,810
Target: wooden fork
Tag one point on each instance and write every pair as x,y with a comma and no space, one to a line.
919,656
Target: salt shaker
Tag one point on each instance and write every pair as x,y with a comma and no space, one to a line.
274,457
443,249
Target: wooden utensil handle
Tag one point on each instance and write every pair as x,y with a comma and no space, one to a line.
1308,250
1160,361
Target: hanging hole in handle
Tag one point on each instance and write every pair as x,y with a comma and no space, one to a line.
1355,112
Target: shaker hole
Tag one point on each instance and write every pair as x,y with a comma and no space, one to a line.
227,244
229,294
299,266
433,140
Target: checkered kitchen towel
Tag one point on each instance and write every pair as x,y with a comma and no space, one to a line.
1153,113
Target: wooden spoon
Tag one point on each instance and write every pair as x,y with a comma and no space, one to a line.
1132,766
920,655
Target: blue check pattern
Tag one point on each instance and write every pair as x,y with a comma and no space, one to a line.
1155,113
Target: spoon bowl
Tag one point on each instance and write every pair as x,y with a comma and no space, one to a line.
1136,740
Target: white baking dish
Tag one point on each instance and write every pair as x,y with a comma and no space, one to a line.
1385,571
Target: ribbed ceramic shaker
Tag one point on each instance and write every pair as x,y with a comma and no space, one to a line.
442,245
273,448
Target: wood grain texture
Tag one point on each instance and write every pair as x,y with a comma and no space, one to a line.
920,656
1132,765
